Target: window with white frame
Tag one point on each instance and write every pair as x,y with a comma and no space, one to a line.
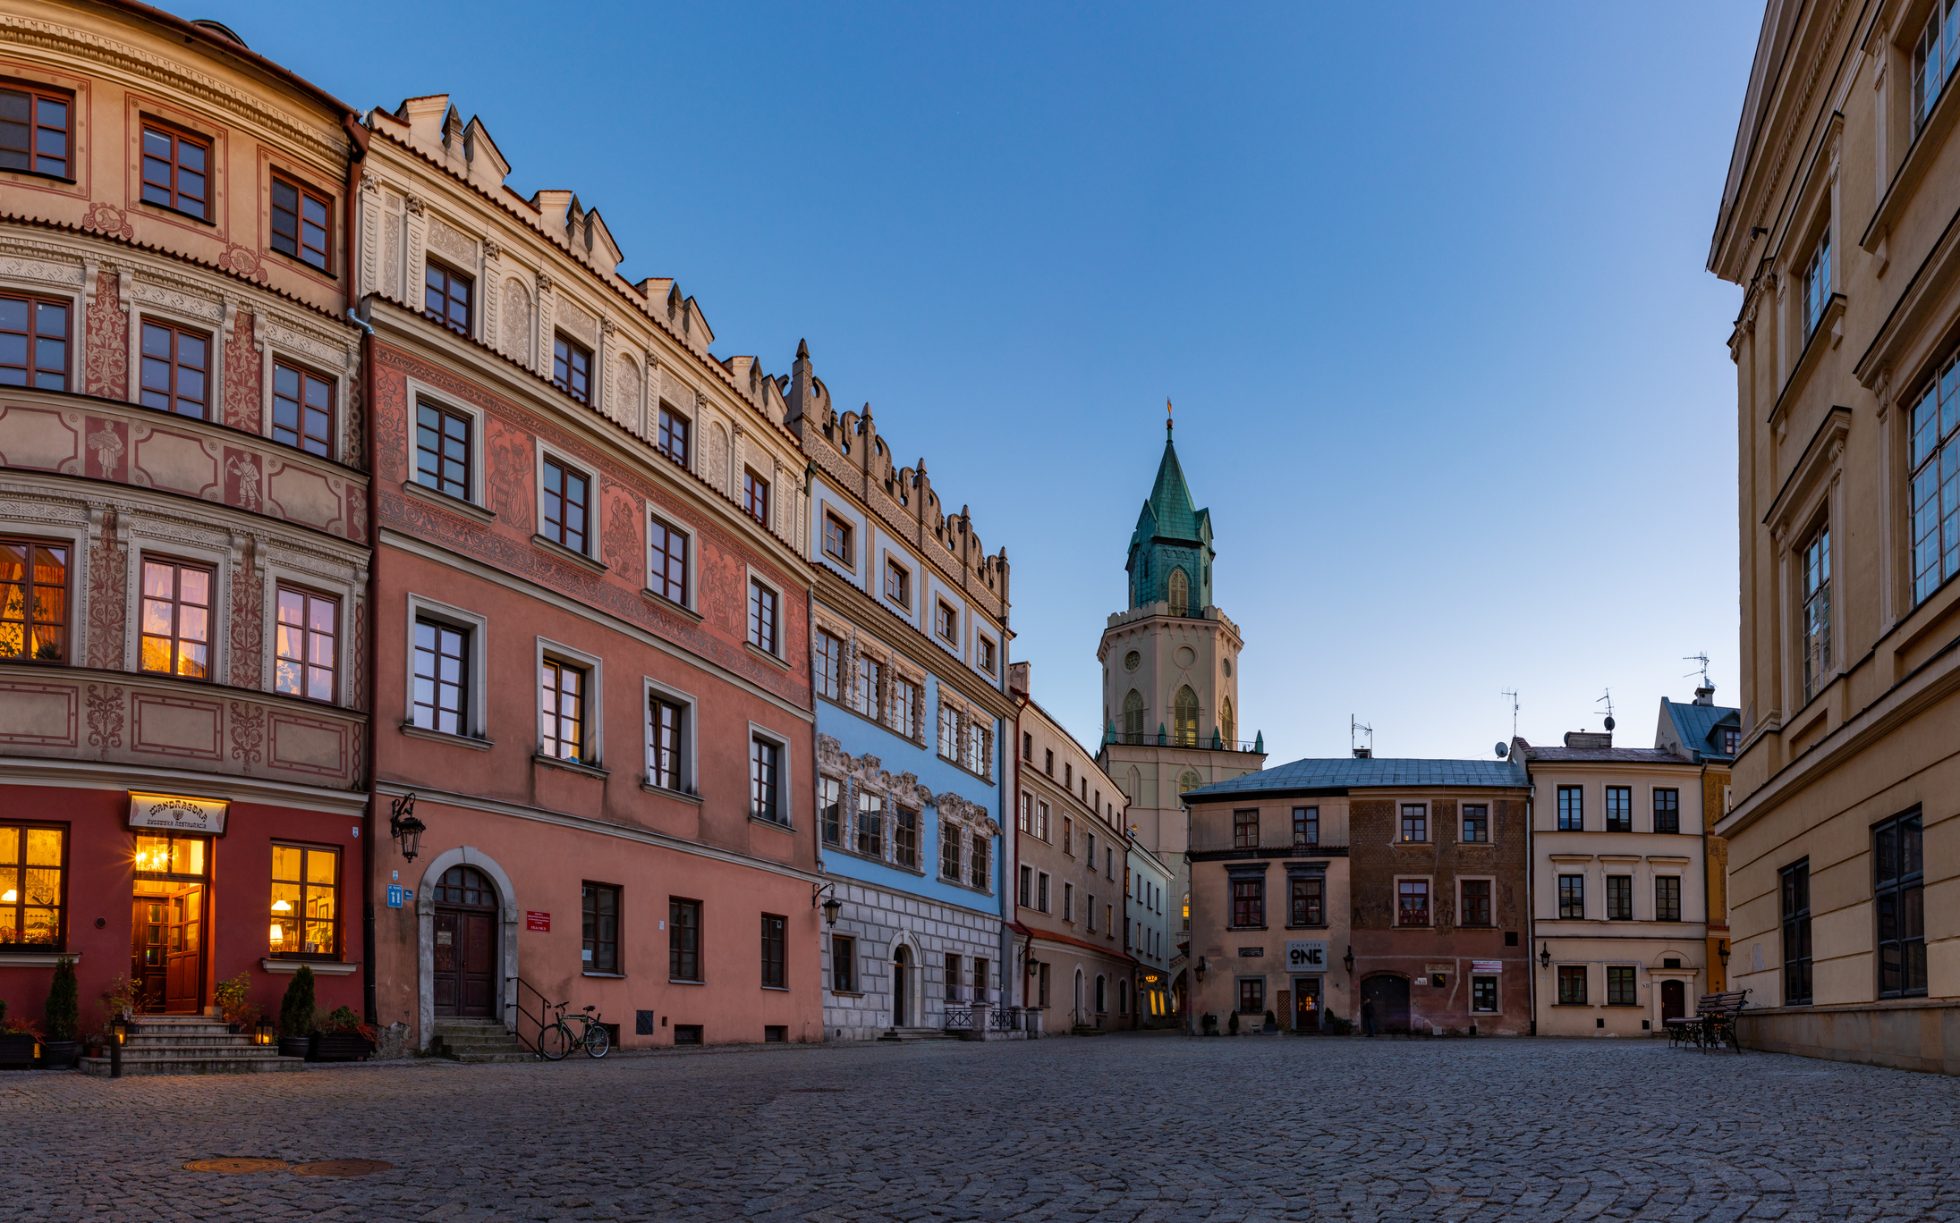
565,709
1816,610
768,778
1934,56
1817,283
670,742
763,616
669,556
1934,482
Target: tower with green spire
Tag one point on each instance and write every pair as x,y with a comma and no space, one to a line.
1170,676
1170,549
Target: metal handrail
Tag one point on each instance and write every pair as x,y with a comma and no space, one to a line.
539,1022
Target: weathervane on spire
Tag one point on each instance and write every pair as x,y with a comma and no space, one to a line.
1167,414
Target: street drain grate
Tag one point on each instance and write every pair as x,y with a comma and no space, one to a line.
343,1167
236,1165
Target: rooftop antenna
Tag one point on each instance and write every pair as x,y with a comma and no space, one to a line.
1701,658
1512,694
1356,730
1607,700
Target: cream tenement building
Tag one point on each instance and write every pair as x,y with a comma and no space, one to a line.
1837,222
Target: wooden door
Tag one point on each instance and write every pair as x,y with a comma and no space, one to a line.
465,958
1306,1004
149,923
183,973
901,983
1674,1000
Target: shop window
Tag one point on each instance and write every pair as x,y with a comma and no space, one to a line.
176,636
33,887
1483,995
305,901
33,601
600,905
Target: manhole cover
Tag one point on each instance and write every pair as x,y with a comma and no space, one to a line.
342,1167
235,1165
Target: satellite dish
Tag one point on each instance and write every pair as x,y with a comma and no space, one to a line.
1503,750
1609,723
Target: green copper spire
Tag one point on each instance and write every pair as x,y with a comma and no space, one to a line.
1170,550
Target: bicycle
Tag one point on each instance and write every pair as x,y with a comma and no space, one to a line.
557,1039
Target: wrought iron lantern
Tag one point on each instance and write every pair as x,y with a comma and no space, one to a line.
405,828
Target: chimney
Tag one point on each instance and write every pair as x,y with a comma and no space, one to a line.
1018,683
1588,740
1705,695
1364,753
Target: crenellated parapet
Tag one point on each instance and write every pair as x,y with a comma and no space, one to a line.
846,446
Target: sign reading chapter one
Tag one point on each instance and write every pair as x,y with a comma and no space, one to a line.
537,919
1306,956
176,813
1486,966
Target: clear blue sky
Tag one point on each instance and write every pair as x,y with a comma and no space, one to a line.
1426,283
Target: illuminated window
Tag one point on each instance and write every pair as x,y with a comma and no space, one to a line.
176,638
305,901
33,601
306,655
562,709
33,878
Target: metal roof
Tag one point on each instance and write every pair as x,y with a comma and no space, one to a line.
1619,755
1347,773
1697,725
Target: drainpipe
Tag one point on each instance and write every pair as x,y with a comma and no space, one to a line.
357,140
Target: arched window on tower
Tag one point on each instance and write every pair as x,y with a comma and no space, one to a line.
1133,717
1180,593
1184,718
1189,782
1227,724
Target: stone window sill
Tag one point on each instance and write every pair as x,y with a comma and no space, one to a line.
604,976
571,766
436,736
469,509
560,550
36,959
321,968
677,795
759,652
666,604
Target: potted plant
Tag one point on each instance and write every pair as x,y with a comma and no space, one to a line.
296,1015
235,1004
343,1038
120,1000
18,1040
1232,1024
61,1046
1272,1022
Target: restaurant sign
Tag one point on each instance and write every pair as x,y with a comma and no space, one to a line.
176,813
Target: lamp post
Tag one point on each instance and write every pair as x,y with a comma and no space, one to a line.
404,827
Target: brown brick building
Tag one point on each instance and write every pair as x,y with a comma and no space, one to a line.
1390,892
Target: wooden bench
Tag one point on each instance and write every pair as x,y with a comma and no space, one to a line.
1712,1024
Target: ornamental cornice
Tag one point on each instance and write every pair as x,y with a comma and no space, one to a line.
963,810
283,329
229,102
867,773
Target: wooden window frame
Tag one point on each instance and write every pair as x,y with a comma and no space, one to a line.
685,955
1468,914
1252,995
174,196
301,250
674,439
447,470
830,811
177,605
452,278
1793,905
1669,807
298,916
768,780
1619,808
553,672
1306,902
301,434
464,685
1248,899
949,850
775,951
661,560
843,964
32,374
1622,985
839,540
898,576
173,399
828,663
1245,829
13,913
1572,898
592,939
1407,890
1619,900
905,837
765,611
1475,828
669,720
755,495
1900,886
1572,816
563,519
1306,826
35,94
307,635
1412,816
946,623
30,587
571,367
1565,973
1667,908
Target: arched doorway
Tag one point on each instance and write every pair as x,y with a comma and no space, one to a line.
466,952
901,986
1385,1003
1674,1000
1102,997
1075,1014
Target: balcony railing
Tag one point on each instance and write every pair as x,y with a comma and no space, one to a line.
1170,739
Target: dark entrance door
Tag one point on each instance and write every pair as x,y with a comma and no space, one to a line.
466,952
1387,997
1306,1004
901,986
1674,1000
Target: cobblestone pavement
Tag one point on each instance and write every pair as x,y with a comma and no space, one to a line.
1123,1127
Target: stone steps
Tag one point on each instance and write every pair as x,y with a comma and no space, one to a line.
190,1044
477,1042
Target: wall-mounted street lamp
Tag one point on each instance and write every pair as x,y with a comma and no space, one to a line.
1544,956
1722,949
824,893
405,828
1347,961
1203,964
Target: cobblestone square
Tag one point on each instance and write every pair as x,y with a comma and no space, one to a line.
1154,1128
